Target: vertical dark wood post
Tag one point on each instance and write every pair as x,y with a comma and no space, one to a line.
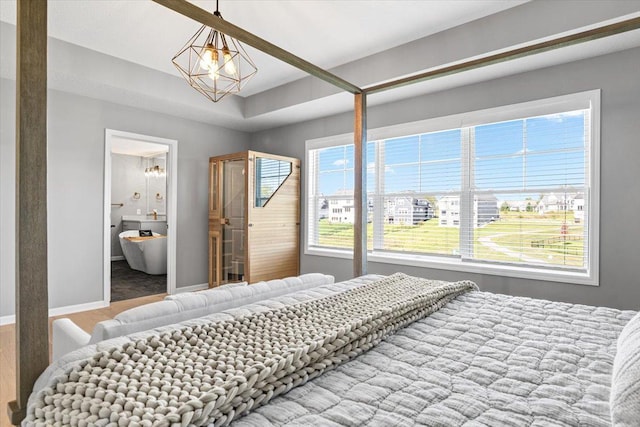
360,186
32,306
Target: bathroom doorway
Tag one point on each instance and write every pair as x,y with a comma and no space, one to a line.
139,215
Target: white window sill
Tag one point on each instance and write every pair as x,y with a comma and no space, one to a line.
456,264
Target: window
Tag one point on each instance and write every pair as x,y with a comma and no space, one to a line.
511,191
270,174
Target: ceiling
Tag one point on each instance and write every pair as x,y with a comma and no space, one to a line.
120,50
326,33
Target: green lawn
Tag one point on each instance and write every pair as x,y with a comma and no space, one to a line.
513,233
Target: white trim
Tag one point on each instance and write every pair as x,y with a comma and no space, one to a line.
558,104
106,243
60,311
330,141
333,253
307,208
532,273
192,288
455,264
594,202
171,168
532,108
172,206
117,258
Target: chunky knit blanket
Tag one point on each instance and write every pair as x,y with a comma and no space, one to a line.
213,373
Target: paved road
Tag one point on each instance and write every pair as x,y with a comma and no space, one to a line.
488,242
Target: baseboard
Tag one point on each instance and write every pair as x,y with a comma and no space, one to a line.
7,320
117,258
192,288
59,311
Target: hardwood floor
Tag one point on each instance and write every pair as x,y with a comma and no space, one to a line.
86,320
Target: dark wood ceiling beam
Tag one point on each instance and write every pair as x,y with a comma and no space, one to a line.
189,10
557,43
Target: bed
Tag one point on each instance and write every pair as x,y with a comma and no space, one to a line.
474,359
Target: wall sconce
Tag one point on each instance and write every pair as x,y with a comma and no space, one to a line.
155,171
136,196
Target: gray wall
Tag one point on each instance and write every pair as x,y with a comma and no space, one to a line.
75,190
617,76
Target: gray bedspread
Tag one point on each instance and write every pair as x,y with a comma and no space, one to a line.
482,360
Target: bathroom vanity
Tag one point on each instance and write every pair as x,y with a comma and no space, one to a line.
143,222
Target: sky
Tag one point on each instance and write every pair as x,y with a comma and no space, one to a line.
531,156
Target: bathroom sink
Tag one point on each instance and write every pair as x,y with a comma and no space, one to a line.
143,218
142,222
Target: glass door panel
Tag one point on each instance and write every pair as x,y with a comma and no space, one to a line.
214,258
233,220
213,184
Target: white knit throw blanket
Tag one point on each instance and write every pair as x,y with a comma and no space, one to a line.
215,372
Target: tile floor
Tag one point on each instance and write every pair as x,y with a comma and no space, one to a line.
127,283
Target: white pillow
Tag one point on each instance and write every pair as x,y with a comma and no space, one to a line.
625,381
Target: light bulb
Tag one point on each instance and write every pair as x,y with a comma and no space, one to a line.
214,69
229,66
207,57
214,73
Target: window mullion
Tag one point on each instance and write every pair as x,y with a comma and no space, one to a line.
466,194
314,203
378,200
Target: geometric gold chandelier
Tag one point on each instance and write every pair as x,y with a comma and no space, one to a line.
214,64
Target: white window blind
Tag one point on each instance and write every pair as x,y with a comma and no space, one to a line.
331,196
415,172
526,181
516,193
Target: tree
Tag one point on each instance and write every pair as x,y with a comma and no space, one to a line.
504,207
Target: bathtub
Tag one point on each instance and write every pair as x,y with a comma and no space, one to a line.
149,255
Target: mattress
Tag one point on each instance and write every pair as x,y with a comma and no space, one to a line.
483,359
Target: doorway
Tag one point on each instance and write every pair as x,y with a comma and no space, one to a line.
139,227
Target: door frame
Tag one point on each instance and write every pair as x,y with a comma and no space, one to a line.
172,206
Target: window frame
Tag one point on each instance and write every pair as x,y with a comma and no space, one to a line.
559,104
